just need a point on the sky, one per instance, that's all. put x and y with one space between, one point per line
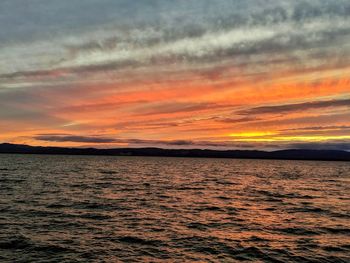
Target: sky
223 74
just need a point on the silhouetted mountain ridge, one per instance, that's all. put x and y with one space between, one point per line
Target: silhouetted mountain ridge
292 154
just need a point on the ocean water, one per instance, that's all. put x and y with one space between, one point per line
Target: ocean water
145 209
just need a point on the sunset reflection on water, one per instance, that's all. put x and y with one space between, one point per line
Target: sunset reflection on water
173 209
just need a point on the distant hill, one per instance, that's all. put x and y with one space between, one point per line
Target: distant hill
293 154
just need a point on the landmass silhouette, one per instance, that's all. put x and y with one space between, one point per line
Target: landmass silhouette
291 154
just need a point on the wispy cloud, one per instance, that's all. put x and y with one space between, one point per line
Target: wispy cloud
74 138
320 128
93 140
219 34
180 73
281 109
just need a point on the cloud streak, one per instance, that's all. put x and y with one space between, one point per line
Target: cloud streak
74 138
281 109
335 145
182 73
219 34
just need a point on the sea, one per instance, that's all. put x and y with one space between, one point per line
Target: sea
155 209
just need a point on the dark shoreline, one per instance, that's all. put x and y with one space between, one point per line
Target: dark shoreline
292 154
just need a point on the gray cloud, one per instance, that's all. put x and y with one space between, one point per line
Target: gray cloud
237 120
343 146
332 145
319 128
114 34
178 107
321 119
277 109
140 142
74 138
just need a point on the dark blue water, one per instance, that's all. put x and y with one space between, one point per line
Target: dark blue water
134 209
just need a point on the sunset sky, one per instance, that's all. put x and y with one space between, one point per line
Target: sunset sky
237 74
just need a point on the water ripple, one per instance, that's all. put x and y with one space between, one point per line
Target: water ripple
134 209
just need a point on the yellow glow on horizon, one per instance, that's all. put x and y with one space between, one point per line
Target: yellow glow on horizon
294 138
